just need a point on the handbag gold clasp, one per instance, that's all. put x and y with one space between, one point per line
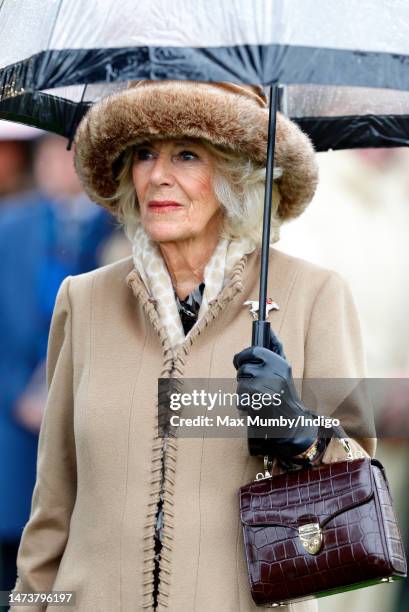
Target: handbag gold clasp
311 537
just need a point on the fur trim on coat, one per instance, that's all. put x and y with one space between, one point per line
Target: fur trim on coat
228 115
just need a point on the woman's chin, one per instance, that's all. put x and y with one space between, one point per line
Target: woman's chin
166 231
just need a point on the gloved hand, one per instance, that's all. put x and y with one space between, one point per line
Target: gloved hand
266 370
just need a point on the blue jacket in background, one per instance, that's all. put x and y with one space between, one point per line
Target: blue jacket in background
41 242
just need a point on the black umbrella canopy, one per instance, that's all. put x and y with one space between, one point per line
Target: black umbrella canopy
342 65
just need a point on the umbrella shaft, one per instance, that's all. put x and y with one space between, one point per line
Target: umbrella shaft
268 201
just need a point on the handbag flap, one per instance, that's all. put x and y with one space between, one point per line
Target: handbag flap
317 493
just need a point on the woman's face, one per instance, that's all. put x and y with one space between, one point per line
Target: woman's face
173 183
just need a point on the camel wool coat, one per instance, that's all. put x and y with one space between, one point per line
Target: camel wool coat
91 526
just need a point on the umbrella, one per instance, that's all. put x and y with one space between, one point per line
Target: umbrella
342 65
339 68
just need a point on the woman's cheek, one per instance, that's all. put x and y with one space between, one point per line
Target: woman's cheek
139 181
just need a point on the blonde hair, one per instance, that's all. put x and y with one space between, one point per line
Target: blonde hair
238 184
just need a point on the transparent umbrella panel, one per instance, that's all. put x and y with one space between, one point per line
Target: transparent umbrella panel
345 25
342 65
343 117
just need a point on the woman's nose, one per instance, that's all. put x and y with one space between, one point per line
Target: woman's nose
161 171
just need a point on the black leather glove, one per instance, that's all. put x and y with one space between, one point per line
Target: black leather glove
265 370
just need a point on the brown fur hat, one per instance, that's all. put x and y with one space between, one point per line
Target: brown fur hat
233 116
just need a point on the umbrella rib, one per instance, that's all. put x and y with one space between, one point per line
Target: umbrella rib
54 24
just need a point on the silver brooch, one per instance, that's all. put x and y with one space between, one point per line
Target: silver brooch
254 306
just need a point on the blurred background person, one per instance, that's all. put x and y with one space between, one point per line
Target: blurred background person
46 233
16 149
358 224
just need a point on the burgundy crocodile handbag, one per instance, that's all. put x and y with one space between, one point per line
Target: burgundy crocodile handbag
319 531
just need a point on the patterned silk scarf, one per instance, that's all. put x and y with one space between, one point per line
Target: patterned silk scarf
189 307
152 268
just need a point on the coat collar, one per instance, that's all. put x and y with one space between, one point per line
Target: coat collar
241 278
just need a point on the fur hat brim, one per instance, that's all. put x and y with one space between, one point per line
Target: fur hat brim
222 113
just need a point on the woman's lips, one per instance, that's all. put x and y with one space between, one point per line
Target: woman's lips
162 206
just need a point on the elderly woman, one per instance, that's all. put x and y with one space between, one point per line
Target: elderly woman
128 519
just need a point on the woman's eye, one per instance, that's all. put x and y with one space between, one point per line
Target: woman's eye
188 155
142 154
